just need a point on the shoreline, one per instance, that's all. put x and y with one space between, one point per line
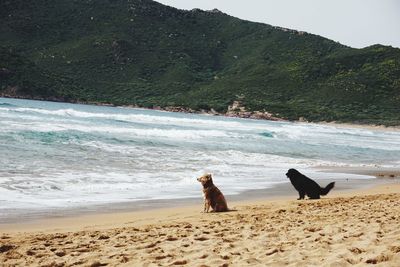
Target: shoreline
46 220
251 115
282 190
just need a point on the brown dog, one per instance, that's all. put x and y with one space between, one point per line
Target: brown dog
212 195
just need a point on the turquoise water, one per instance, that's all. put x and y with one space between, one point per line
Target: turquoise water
57 155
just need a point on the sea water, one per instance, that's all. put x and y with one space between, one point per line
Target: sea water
60 155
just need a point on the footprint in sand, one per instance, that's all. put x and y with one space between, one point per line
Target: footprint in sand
395 249
103 237
30 253
98 264
181 262
272 251
171 238
161 257
378 259
5 248
201 238
60 253
225 257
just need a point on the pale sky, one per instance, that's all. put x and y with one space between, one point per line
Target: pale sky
356 23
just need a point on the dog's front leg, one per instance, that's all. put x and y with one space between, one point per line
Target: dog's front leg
301 195
208 206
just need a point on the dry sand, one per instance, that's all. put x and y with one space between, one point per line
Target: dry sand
346 228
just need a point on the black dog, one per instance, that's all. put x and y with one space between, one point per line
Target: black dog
306 186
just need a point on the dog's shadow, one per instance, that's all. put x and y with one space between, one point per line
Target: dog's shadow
220 212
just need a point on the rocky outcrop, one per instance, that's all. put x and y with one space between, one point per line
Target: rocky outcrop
238 110
175 109
10 91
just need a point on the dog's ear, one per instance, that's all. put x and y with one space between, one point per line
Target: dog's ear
209 176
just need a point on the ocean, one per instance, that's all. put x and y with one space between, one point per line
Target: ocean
58 155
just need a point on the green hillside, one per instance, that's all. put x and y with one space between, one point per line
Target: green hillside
143 53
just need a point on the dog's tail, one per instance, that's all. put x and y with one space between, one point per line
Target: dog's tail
325 191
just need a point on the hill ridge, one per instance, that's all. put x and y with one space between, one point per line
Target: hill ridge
140 52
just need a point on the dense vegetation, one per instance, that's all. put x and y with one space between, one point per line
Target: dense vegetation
143 53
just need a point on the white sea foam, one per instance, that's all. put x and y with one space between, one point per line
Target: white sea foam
142 118
133 132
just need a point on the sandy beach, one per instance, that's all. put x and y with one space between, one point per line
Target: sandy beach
346 228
